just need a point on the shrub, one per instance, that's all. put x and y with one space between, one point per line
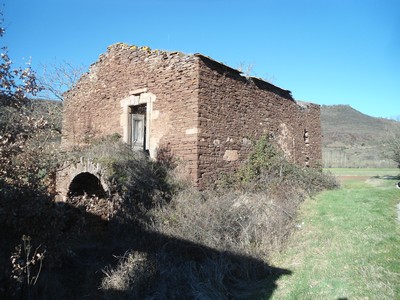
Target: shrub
133 275
138 182
267 168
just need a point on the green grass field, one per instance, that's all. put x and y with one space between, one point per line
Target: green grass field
347 245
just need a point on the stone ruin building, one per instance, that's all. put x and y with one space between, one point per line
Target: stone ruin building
203 112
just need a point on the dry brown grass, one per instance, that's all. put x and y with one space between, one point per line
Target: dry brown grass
241 222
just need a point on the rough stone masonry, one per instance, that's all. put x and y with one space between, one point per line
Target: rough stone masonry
199 110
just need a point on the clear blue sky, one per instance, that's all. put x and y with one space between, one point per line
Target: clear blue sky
325 51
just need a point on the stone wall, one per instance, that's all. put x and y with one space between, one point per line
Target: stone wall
235 111
201 111
94 107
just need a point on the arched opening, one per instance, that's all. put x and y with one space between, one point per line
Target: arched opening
86 183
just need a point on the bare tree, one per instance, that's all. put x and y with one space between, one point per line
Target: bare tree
392 146
24 132
27 162
57 78
245 69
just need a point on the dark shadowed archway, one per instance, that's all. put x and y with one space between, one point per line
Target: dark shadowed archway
86 183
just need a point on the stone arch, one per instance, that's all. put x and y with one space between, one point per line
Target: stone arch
82 177
86 184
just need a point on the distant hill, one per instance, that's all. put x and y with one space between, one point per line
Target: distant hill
353 139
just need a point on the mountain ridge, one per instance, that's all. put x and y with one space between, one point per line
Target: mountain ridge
353 139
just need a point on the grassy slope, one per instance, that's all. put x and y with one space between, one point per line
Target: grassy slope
348 246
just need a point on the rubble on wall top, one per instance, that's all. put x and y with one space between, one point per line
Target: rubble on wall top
124 46
118 46
305 105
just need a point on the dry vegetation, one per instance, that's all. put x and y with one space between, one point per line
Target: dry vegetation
209 244
162 239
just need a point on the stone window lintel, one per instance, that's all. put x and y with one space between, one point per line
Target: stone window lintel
138 91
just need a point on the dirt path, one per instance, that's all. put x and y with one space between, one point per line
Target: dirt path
343 178
352 177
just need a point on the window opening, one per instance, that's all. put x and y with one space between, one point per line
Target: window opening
307 143
305 136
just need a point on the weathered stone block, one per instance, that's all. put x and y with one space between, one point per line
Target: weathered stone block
231 155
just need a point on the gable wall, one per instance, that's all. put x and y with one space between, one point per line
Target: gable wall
93 108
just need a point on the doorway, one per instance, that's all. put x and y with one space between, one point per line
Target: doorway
137 127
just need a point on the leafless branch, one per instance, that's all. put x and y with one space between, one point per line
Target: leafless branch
56 78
